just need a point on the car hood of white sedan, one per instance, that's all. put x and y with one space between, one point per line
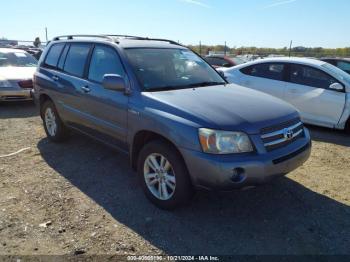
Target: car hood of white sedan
16 73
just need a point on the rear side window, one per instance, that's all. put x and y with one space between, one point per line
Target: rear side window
344 66
63 57
53 55
104 60
76 59
308 76
273 71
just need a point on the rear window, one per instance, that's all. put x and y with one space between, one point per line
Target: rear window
53 55
216 61
76 59
17 58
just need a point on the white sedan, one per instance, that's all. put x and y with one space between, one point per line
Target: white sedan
17 68
320 91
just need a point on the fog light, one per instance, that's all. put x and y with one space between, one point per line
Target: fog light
237 175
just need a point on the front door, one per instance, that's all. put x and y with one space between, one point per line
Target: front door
308 90
107 109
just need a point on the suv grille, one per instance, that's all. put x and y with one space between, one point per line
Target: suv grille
283 134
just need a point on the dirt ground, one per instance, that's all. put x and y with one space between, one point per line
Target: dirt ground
82 197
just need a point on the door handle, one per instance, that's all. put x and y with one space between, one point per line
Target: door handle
86 89
293 91
55 78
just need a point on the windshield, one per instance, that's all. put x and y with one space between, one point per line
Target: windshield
338 73
20 59
160 69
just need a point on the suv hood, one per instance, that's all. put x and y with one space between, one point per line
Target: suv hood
231 107
16 73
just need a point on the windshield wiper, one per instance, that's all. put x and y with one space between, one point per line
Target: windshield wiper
165 88
202 84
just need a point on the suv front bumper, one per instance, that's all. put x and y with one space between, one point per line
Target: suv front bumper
227 172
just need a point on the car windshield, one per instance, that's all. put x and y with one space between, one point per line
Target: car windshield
20 59
338 73
160 69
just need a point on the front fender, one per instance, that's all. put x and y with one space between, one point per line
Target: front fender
346 113
181 132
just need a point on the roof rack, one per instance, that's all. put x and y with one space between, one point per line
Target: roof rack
114 38
70 37
146 38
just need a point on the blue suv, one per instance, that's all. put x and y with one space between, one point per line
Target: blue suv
181 124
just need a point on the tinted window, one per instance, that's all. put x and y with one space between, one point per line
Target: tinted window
53 55
333 62
344 66
76 59
63 57
268 70
216 61
104 60
305 75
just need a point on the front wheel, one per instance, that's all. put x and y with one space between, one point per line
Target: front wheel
164 176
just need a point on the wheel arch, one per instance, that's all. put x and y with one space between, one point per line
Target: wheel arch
347 125
143 137
42 99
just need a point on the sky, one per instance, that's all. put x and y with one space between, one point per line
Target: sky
261 23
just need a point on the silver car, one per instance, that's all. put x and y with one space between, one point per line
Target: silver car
17 68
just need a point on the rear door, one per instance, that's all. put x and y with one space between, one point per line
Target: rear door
308 90
73 66
47 74
266 77
106 108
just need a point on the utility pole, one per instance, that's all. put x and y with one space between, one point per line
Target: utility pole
46 35
200 47
290 47
225 49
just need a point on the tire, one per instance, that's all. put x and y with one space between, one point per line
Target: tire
347 126
55 130
174 178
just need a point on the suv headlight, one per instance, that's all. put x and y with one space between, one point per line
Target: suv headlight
5 83
224 142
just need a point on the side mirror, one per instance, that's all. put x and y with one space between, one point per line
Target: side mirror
221 73
336 87
113 82
226 65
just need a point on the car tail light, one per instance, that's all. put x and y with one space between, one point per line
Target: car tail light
26 83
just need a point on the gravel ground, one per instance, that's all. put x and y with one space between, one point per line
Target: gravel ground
82 197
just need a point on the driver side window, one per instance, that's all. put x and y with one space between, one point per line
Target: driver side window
104 60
